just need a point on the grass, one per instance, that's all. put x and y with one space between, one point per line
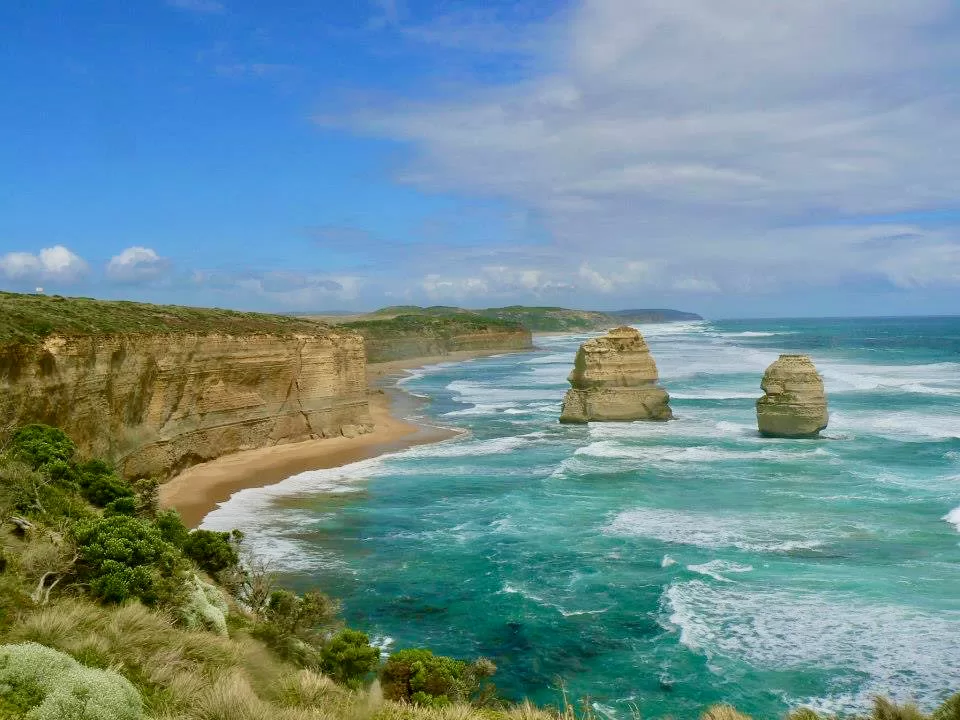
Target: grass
29 318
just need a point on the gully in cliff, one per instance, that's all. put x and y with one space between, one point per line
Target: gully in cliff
795 405
614 379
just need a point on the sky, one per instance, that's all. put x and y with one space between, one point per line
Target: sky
736 158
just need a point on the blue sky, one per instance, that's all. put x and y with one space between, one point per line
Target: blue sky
744 158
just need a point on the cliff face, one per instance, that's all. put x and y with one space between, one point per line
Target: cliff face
794 404
614 379
158 403
429 342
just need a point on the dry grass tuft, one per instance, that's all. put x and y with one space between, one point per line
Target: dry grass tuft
724 712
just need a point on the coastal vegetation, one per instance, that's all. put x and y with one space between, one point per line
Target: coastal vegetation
110 609
28 318
533 318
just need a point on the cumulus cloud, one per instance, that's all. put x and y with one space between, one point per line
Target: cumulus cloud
737 146
135 265
56 263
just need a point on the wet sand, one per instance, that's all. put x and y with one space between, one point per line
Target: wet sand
199 489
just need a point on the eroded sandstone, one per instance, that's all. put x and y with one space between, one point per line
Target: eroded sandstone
614 379
155 404
794 404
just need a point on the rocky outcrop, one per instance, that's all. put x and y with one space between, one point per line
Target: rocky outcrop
157 403
795 404
614 379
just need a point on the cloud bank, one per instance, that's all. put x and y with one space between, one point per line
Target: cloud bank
699 147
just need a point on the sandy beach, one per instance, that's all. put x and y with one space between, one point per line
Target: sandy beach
199 489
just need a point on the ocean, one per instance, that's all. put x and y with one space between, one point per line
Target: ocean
660 567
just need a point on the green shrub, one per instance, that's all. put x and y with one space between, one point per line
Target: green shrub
121 506
211 551
950 710
25 491
49 685
123 557
205 608
171 528
348 657
38 445
101 486
420 677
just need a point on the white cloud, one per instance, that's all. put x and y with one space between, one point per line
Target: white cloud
136 264
56 263
738 146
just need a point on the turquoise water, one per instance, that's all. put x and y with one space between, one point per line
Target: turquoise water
663 566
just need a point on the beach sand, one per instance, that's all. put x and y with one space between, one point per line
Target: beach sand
199 489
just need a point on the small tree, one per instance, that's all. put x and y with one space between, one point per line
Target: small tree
420 677
348 657
211 551
38 445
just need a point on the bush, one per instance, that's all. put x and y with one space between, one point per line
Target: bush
205 608
121 506
420 677
38 445
950 710
348 657
101 486
171 528
50 685
211 551
123 557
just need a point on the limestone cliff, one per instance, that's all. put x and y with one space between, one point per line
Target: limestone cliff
615 378
155 403
412 336
795 404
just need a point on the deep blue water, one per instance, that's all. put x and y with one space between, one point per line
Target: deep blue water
662 566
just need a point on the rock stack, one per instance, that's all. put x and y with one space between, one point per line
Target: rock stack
614 379
795 404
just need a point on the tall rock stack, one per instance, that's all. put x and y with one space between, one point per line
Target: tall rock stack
614 379
795 405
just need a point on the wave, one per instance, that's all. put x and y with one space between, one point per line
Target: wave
941 379
765 534
904 651
613 450
511 589
714 568
953 517
907 426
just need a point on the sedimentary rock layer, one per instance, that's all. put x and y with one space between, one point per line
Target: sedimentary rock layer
614 379
417 344
157 403
795 404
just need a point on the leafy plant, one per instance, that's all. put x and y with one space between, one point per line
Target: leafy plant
50 685
348 657
123 557
211 551
420 677
38 445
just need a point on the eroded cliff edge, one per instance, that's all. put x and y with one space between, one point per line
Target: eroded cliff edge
157 402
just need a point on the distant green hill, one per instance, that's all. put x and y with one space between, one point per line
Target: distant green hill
535 319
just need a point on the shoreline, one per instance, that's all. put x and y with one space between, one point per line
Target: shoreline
198 490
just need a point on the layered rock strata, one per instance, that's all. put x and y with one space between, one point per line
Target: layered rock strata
158 403
795 404
614 379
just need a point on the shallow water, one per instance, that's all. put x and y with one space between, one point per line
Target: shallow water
664 566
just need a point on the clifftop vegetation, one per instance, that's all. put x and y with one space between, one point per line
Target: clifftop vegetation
28 318
110 609
535 319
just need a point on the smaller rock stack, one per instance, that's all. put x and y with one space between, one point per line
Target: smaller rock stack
795 405
614 379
